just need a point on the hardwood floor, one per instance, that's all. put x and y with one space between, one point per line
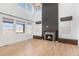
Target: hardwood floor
37 47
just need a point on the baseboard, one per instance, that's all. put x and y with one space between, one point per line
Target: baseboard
37 37
68 41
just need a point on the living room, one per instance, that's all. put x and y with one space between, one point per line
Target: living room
26 29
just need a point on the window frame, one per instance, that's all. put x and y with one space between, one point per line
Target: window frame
7 21
23 24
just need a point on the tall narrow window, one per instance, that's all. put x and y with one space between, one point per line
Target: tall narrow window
7 25
20 27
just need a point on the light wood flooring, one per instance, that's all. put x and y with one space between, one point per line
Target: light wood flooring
36 47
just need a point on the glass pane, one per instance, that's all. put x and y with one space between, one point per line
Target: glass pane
21 5
19 28
29 6
7 27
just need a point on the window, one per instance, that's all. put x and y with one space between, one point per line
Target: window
29 28
20 28
27 6
22 5
7 25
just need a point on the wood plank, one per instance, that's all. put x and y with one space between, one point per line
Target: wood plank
37 47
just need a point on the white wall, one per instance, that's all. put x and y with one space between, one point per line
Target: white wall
65 9
69 9
38 15
76 18
13 9
38 27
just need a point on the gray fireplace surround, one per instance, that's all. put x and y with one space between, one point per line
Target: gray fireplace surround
50 33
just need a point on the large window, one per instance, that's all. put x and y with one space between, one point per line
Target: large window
20 27
7 25
27 6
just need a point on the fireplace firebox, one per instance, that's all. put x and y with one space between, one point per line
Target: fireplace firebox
51 36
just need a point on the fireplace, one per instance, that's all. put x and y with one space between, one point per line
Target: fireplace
51 36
